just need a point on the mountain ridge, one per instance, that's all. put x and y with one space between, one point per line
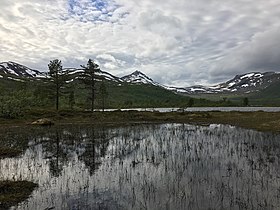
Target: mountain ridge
11 68
243 83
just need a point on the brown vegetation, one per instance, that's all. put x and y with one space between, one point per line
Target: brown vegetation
6 152
14 192
262 121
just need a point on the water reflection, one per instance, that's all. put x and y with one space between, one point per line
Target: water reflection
169 166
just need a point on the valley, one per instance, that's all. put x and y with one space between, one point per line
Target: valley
138 90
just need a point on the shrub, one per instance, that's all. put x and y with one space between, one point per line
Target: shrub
15 104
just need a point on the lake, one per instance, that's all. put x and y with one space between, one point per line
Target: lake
148 166
204 109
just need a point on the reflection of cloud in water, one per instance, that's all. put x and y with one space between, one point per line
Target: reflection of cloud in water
173 166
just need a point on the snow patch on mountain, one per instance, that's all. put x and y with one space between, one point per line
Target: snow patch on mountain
17 70
248 75
246 83
99 74
137 77
109 76
15 79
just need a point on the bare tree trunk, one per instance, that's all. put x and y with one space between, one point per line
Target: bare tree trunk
57 92
92 94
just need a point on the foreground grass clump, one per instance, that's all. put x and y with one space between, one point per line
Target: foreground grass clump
6 152
14 192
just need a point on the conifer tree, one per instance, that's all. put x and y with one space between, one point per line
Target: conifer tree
245 101
89 78
56 77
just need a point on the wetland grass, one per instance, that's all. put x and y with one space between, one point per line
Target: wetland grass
14 192
8 152
261 121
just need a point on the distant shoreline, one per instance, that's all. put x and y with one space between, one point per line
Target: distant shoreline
202 109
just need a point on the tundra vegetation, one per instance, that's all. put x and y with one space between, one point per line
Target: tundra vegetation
14 192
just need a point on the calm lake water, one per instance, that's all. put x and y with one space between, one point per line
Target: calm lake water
166 166
204 109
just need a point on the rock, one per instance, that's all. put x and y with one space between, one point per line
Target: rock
43 121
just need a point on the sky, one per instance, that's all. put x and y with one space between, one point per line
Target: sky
175 42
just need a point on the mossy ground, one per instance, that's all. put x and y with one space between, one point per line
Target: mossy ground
14 192
262 121
6 152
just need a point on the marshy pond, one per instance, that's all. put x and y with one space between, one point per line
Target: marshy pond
147 166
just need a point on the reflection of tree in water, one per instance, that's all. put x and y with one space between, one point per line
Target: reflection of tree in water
58 157
88 143
170 166
97 142
53 144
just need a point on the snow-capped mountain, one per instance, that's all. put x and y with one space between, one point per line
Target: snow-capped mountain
245 83
250 82
14 70
76 73
138 77
17 72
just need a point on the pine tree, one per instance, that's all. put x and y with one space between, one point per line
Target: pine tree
246 101
56 77
89 78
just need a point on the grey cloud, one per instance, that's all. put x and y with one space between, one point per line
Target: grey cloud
262 53
157 22
176 42
3 28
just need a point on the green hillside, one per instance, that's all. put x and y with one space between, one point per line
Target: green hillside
17 96
136 95
125 95
269 96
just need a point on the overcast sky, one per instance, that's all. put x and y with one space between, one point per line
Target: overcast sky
175 42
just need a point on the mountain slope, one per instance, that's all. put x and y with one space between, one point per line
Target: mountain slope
14 70
138 77
268 96
17 72
77 73
138 95
251 82
121 94
245 83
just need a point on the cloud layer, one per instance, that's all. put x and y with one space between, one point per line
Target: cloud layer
176 42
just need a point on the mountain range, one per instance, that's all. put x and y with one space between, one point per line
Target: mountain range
242 84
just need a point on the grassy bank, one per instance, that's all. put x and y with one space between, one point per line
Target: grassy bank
7 152
14 192
262 121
